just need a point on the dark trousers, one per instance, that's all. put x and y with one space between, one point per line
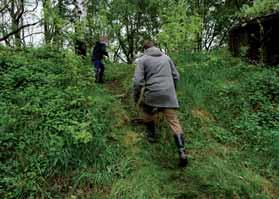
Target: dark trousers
99 71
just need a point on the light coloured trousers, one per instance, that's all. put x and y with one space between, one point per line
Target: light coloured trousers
150 114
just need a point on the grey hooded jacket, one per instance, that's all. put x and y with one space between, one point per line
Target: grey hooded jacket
156 72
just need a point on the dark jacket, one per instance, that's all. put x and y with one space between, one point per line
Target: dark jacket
156 72
99 51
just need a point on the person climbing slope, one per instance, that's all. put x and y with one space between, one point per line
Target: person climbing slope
98 54
156 76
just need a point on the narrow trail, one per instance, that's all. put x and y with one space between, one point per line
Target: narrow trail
155 170
150 171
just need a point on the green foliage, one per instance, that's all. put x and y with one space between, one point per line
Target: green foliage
130 23
251 98
260 7
232 142
180 28
55 125
65 137
235 105
141 185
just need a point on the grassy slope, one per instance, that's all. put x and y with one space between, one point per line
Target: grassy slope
66 137
215 93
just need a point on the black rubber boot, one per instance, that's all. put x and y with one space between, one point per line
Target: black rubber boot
101 78
97 77
179 141
150 130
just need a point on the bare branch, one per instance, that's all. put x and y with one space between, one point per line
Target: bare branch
35 8
4 8
121 58
31 34
17 30
20 10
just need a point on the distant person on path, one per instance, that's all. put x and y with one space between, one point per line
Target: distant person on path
98 54
156 76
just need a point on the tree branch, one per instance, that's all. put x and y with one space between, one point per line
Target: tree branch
20 10
4 8
17 30
121 58
31 34
35 8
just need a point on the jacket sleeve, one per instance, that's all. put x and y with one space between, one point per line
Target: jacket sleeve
104 52
175 74
92 55
139 80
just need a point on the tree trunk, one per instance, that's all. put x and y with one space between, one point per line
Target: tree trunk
47 31
15 23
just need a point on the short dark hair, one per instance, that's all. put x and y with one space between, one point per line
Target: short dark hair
148 44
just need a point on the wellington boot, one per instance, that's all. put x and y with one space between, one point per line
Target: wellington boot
179 141
150 132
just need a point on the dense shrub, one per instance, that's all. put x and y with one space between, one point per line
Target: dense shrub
54 124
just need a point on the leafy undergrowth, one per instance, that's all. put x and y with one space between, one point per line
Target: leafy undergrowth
62 136
56 127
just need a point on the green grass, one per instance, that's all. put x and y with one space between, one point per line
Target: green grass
233 148
56 127
65 137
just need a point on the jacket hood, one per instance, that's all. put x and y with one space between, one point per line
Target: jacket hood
153 51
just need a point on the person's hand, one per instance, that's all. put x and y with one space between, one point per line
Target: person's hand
175 83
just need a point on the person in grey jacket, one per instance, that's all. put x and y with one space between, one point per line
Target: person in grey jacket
156 76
